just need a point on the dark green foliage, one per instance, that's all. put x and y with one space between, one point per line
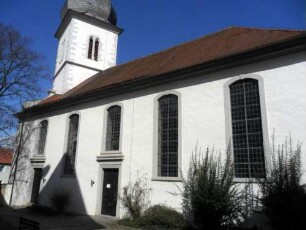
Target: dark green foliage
210 199
284 199
162 217
157 217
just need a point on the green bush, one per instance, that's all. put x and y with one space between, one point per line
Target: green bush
135 197
210 199
283 197
157 217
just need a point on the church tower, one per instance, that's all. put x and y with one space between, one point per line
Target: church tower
87 42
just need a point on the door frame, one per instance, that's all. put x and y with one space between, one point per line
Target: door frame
106 165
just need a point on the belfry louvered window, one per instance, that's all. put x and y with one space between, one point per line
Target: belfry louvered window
113 128
167 165
96 53
247 132
90 47
42 136
72 144
93 48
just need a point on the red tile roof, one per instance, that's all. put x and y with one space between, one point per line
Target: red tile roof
222 44
53 98
6 155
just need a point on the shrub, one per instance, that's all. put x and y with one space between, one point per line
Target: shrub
60 200
159 216
135 197
210 199
283 198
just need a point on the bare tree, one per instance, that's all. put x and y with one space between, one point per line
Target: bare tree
21 70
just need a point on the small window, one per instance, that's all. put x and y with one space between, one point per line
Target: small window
42 137
168 136
247 131
90 47
72 144
113 128
96 55
2 167
93 48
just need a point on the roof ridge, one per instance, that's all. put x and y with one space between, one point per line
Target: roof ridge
199 38
267 28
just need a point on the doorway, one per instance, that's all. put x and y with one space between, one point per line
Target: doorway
36 185
110 192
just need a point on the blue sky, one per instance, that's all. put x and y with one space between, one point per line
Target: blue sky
153 25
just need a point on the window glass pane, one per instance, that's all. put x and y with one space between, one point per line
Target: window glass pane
113 128
42 137
72 144
168 136
247 129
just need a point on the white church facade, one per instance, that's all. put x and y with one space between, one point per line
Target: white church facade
103 125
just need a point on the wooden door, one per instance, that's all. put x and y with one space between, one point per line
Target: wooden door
110 192
36 185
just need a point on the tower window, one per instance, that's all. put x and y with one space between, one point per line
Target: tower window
93 48
247 129
96 55
90 46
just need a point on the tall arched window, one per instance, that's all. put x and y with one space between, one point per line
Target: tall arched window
113 128
90 47
96 54
167 136
72 144
247 131
42 136
93 48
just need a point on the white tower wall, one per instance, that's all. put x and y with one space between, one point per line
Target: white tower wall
72 63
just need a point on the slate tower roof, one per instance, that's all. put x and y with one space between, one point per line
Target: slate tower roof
99 9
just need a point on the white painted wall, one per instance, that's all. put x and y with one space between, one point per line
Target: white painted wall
73 47
203 123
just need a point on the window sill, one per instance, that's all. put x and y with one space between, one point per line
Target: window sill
38 161
110 156
246 180
111 152
68 176
167 179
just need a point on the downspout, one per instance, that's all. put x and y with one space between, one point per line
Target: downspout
16 160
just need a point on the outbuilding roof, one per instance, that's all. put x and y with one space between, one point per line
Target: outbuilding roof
211 48
6 155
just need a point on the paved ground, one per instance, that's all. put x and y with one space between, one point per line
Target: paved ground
9 220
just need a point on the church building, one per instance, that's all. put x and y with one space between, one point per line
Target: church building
104 125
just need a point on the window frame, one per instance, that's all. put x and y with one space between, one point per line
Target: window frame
264 121
155 176
105 123
63 174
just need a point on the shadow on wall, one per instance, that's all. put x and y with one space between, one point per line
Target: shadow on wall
29 185
59 191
